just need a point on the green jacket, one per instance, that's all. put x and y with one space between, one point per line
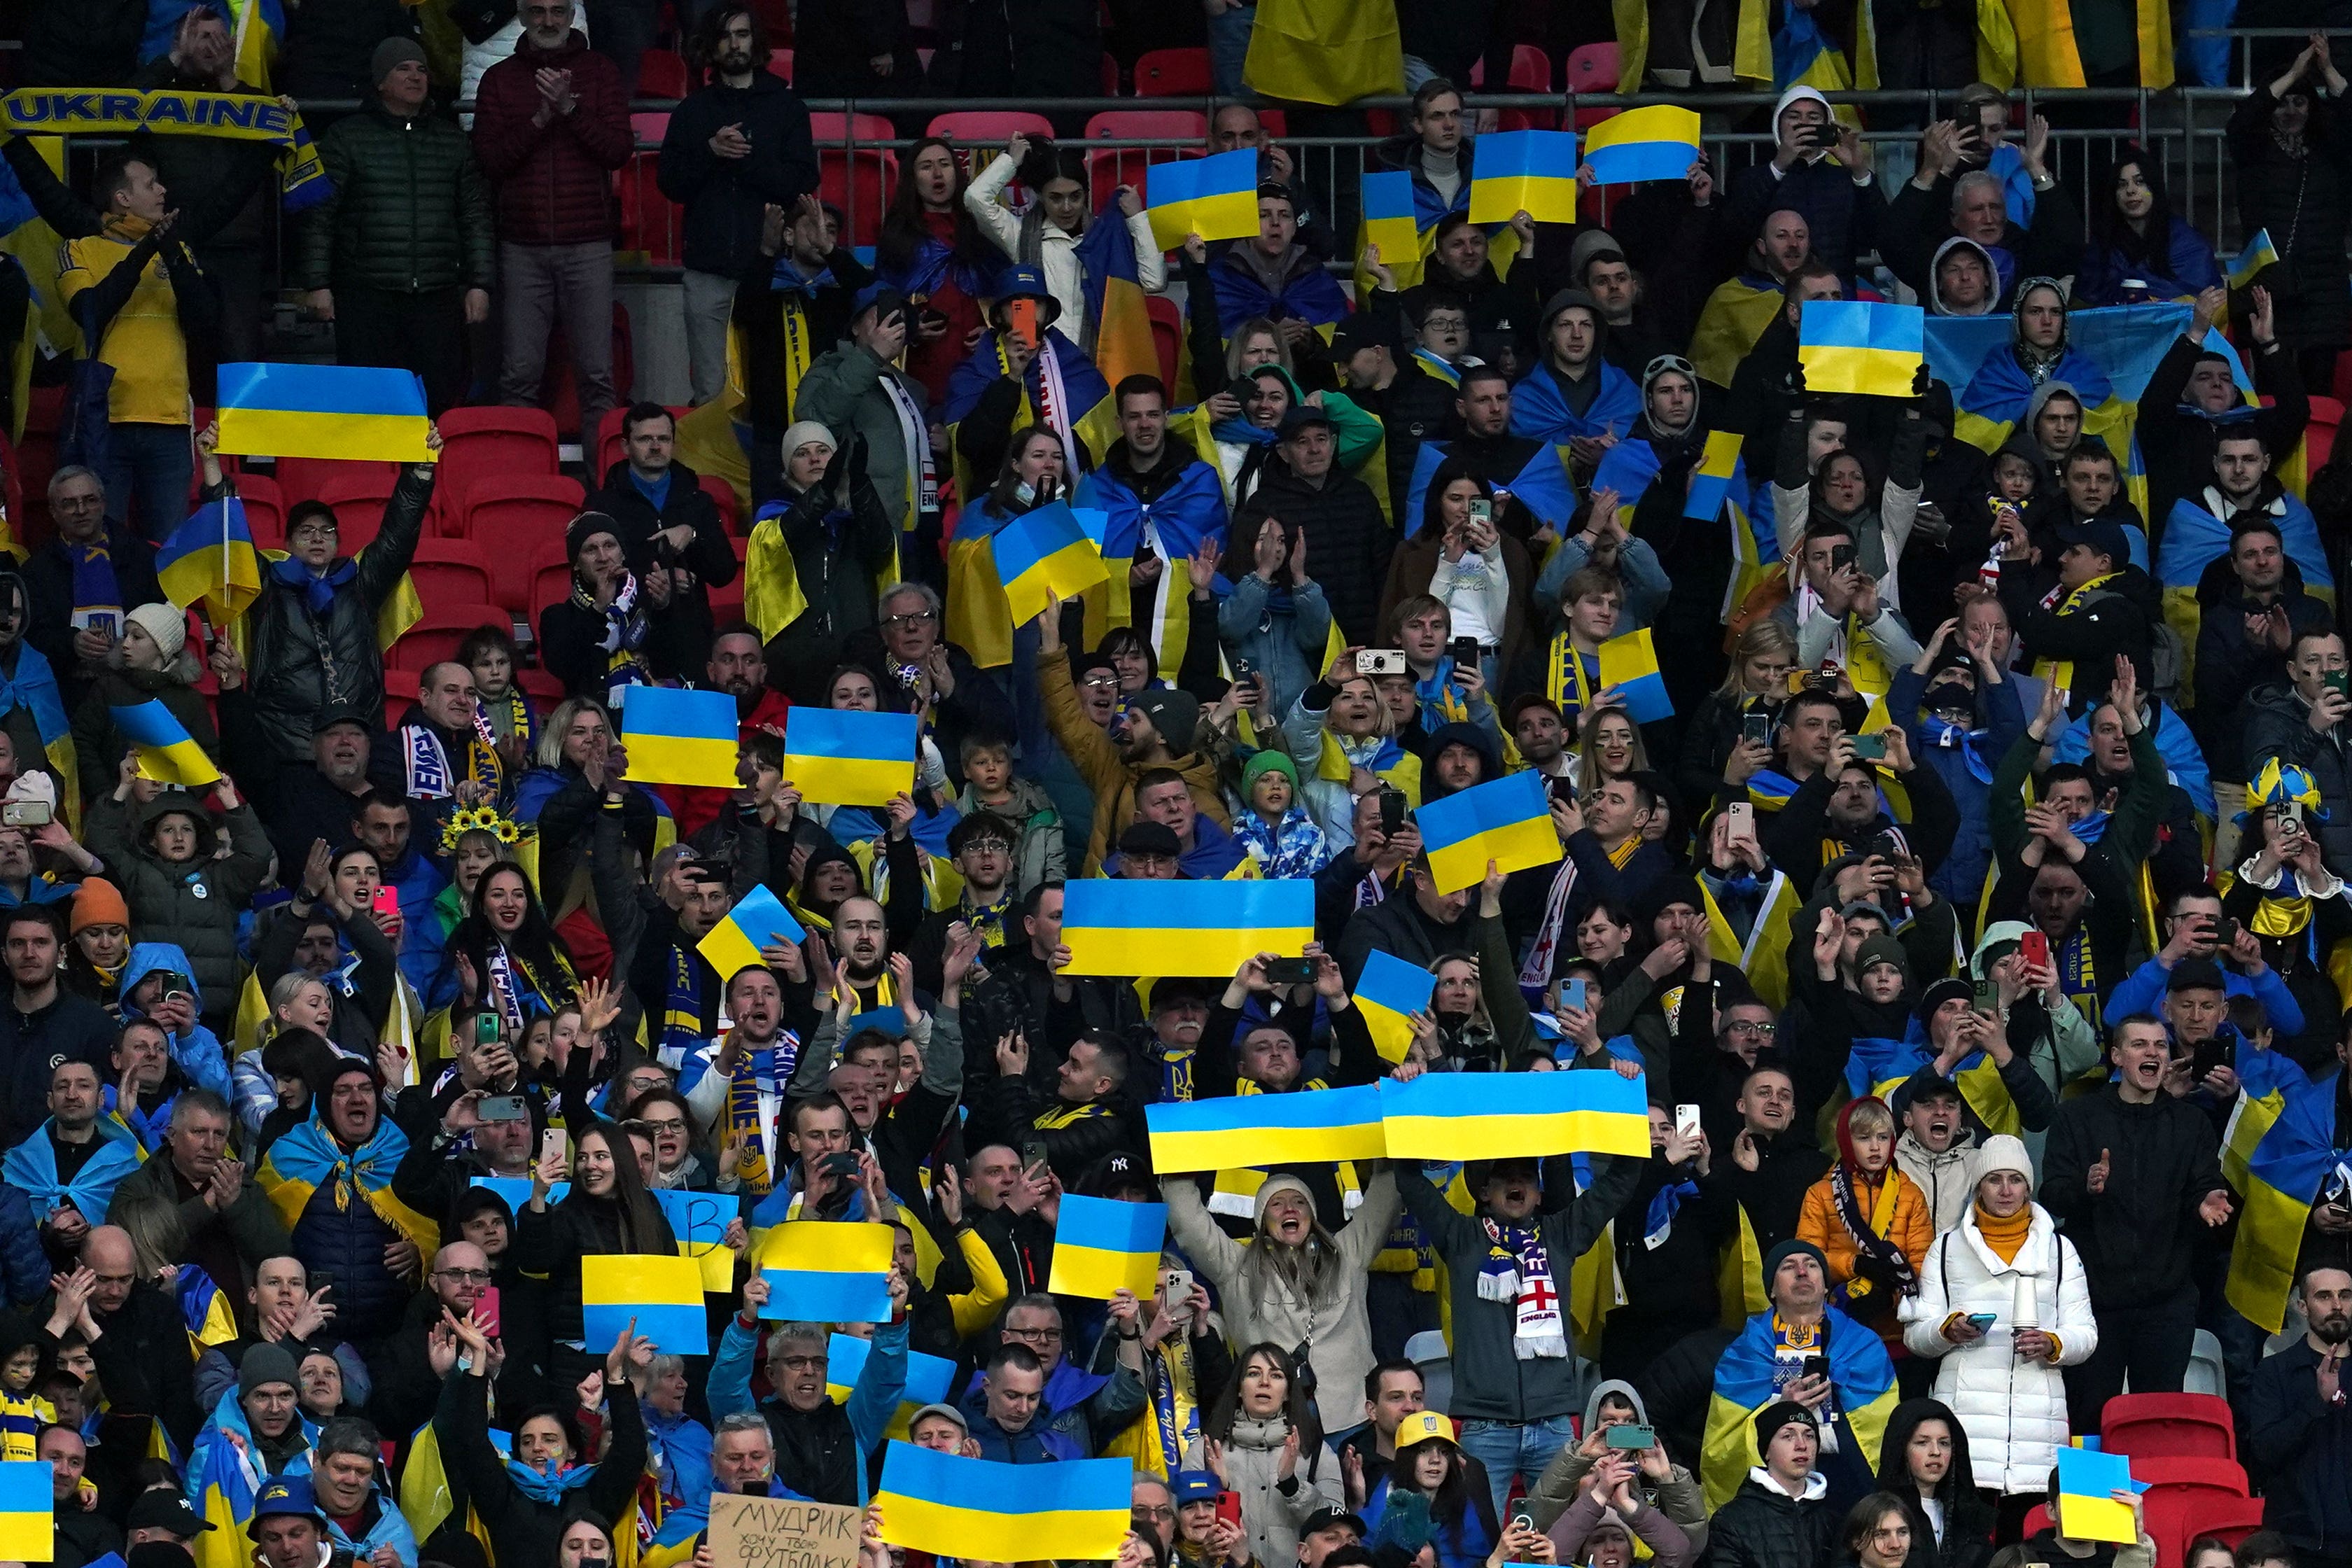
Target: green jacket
843 391
410 213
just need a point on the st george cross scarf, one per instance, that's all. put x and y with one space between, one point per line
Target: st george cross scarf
1518 1270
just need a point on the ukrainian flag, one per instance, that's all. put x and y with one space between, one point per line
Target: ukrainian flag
2282 1180
1855 346
2086 1508
1386 993
1310 1125
356 412
758 919
662 1295
27 1523
1751 1374
1118 324
260 24
1531 172
1631 663
210 1317
1216 198
1506 820
1324 51
1389 222
1717 477
1102 1245
1660 143
305 1158
826 1270
2258 253
698 1221
1161 929
1491 1116
977 1509
166 753
848 758
1043 556
1880 1067
931 1380
679 737
210 561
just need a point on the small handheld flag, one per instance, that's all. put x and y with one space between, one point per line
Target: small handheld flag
2258 253
323 411
1231 1130
1102 1245
1387 992
846 758
678 737
1629 663
1660 143
1388 223
1531 172
1855 346
28 1512
166 753
978 1509
1498 1115
930 1379
1043 556
1712 480
210 560
2088 1511
1115 927
1506 820
758 919
1216 198
826 1270
663 1294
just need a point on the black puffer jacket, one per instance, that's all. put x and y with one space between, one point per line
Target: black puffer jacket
1347 539
1764 1527
681 636
521 1529
552 1241
300 661
2305 202
410 213
348 1241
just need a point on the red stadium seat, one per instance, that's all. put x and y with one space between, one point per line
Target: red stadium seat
2232 1519
2185 1473
540 687
509 515
1167 337
1274 123
479 442
1110 75
727 602
2181 1489
551 578
1157 124
2037 1520
722 496
650 222
265 510
1172 73
858 182
435 637
358 502
1592 67
1186 129
2319 436
1116 166
661 73
986 127
304 478
779 65
1531 72
452 572
2166 1426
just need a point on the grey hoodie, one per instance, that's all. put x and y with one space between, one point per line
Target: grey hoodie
1679 1496
1935 306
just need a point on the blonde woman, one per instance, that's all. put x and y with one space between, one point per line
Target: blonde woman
1715 749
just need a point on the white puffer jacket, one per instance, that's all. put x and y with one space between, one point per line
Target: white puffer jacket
2015 1411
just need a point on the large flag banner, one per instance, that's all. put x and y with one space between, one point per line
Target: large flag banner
758 919
1102 1245
1234 1130
323 411
977 1509
1660 143
1510 1115
664 1295
1857 347
1505 820
1531 172
166 752
679 737
1216 198
826 1270
1160 929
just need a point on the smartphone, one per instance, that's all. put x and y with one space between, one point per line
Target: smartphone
317 1280
2221 1051
1393 807
1482 510
2287 815
486 1029
1021 320
486 1310
1842 556
2225 932
2034 948
1291 971
501 1108
1756 727
1985 995
1379 661
843 1163
2339 682
1571 995
1465 651
26 813
1523 1520
1229 1507
1245 669
1869 748
1176 1289
1032 1154
555 1141
1687 1121
1742 818
1984 1321
386 902
1816 1366
1625 1435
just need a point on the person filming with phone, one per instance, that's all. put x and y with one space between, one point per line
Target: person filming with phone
2302 722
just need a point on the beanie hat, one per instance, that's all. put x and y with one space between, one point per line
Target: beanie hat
1269 761
166 624
1780 1413
98 902
585 527
1881 948
1175 714
266 1363
801 432
1281 1182
1932 999
390 53
1788 1249
2001 1152
1662 893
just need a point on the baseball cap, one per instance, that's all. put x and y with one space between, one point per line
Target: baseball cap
1195 1486
281 1496
2102 534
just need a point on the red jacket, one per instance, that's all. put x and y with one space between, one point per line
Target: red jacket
553 182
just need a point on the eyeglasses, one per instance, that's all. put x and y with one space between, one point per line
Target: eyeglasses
1160 1514
1750 1027
666 1124
467 1275
1033 1336
915 618
800 1363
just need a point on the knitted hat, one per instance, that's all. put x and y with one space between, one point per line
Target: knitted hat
2001 1152
1785 1251
1881 948
1269 761
585 527
167 624
390 53
1932 999
1175 714
801 432
1280 1181
1780 1413
263 1365
98 902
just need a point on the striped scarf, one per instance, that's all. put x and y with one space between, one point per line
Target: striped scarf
774 1066
682 1005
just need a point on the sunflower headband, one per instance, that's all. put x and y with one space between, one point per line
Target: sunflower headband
477 820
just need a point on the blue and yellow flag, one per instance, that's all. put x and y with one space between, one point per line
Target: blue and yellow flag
1717 477
1102 1245
975 1509
1390 223
847 758
210 561
1118 323
2088 1511
698 1221
1510 1115
1751 1375
2258 253
2283 1180
1860 347
1660 143
826 1270
307 1159
1324 51
1216 198
1209 929
1880 1066
210 1316
1531 172
758 919
1043 556
931 1380
356 412
28 1520
662 1295
166 752
1505 820
1388 993
678 737
1235 1131
302 179
258 29
1629 663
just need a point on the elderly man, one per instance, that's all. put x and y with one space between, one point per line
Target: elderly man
138 1342
282 1311
821 1449
1935 206
362 1518
83 580
226 1223
351 1226
305 802
922 672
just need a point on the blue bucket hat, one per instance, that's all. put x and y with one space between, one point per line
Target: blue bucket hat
1028 283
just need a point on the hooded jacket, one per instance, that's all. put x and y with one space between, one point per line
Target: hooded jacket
192 905
196 1052
1936 305
1764 1527
1108 773
1679 1496
1844 218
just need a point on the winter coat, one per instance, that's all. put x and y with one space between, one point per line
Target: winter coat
1942 1179
1253 1452
69 43
2014 1410
194 905
724 197
2278 724
2139 1235
2230 666
71 1029
834 557
1287 642
1764 1527
1337 1334
227 1244
552 1241
329 49
99 743
2300 1451
348 1240
1110 775
1348 539
843 391
48 582
1819 1223
1058 257
302 662
552 182
1845 219
523 1530
680 639
409 213
1040 857
2304 203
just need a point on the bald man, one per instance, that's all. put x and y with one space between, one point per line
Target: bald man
281 1309
435 752
458 1275
135 1334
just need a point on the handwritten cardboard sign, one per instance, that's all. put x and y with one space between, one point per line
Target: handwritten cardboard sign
782 1533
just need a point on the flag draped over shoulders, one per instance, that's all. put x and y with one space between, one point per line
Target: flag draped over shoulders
1752 1374
307 1158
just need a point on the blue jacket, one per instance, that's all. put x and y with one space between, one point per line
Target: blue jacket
2144 993
1287 642
424 958
391 1529
197 1053
2186 267
873 1402
1961 877
22 1263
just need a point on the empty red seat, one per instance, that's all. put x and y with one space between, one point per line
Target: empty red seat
1167 337
650 222
722 496
302 478
2165 1425
1181 131
990 127
510 516
265 510
452 572
727 602
858 182
541 688
1172 73
358 501
2231 1519
2319 436
476 443
551 578
1116 166
1592 67
779 65
435 637
661 73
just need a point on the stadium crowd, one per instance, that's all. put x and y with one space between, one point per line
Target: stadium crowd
1946 815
